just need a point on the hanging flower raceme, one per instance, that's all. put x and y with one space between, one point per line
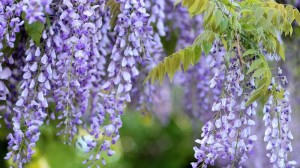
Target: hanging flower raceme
35 10
145 94
277 115
30 111
100 45
157 15
228 136
10 22
133 33
14 63
203 84
74 47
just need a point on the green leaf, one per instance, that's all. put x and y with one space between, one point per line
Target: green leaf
259 13
35 31
205 40
172 63
258 73
187 2
270 16
198 54
256 94
223 25
290 13
297 16
206 47
280 51
219 17
161 73
249 52
187 58
256 64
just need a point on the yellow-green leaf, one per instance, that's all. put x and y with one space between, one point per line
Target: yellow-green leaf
249 52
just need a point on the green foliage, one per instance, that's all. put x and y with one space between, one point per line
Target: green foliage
251 26
34 30
261 71
194 7
186 57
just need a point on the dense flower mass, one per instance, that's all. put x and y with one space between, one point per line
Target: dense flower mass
77 64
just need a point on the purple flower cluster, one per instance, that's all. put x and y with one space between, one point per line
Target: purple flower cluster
157 16
145 94
75 46
200 91
133 34
69 69
30 110
35 10
10 23
228 135
187 27
277 115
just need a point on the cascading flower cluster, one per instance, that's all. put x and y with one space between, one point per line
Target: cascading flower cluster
228 135
67 68
73 43
200 91
10 24
30 107
145 94
133 34
35 10
277 115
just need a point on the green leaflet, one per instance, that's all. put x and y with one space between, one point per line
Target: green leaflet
259 13
205 40
195 7
256 94
255 65
297 16
262 73
171 64
280 51
249 52
219 17
34 30
188 56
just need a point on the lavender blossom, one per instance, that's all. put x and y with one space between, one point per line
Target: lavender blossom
228 136
35 10
277 115
10 22
30 111
133 33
